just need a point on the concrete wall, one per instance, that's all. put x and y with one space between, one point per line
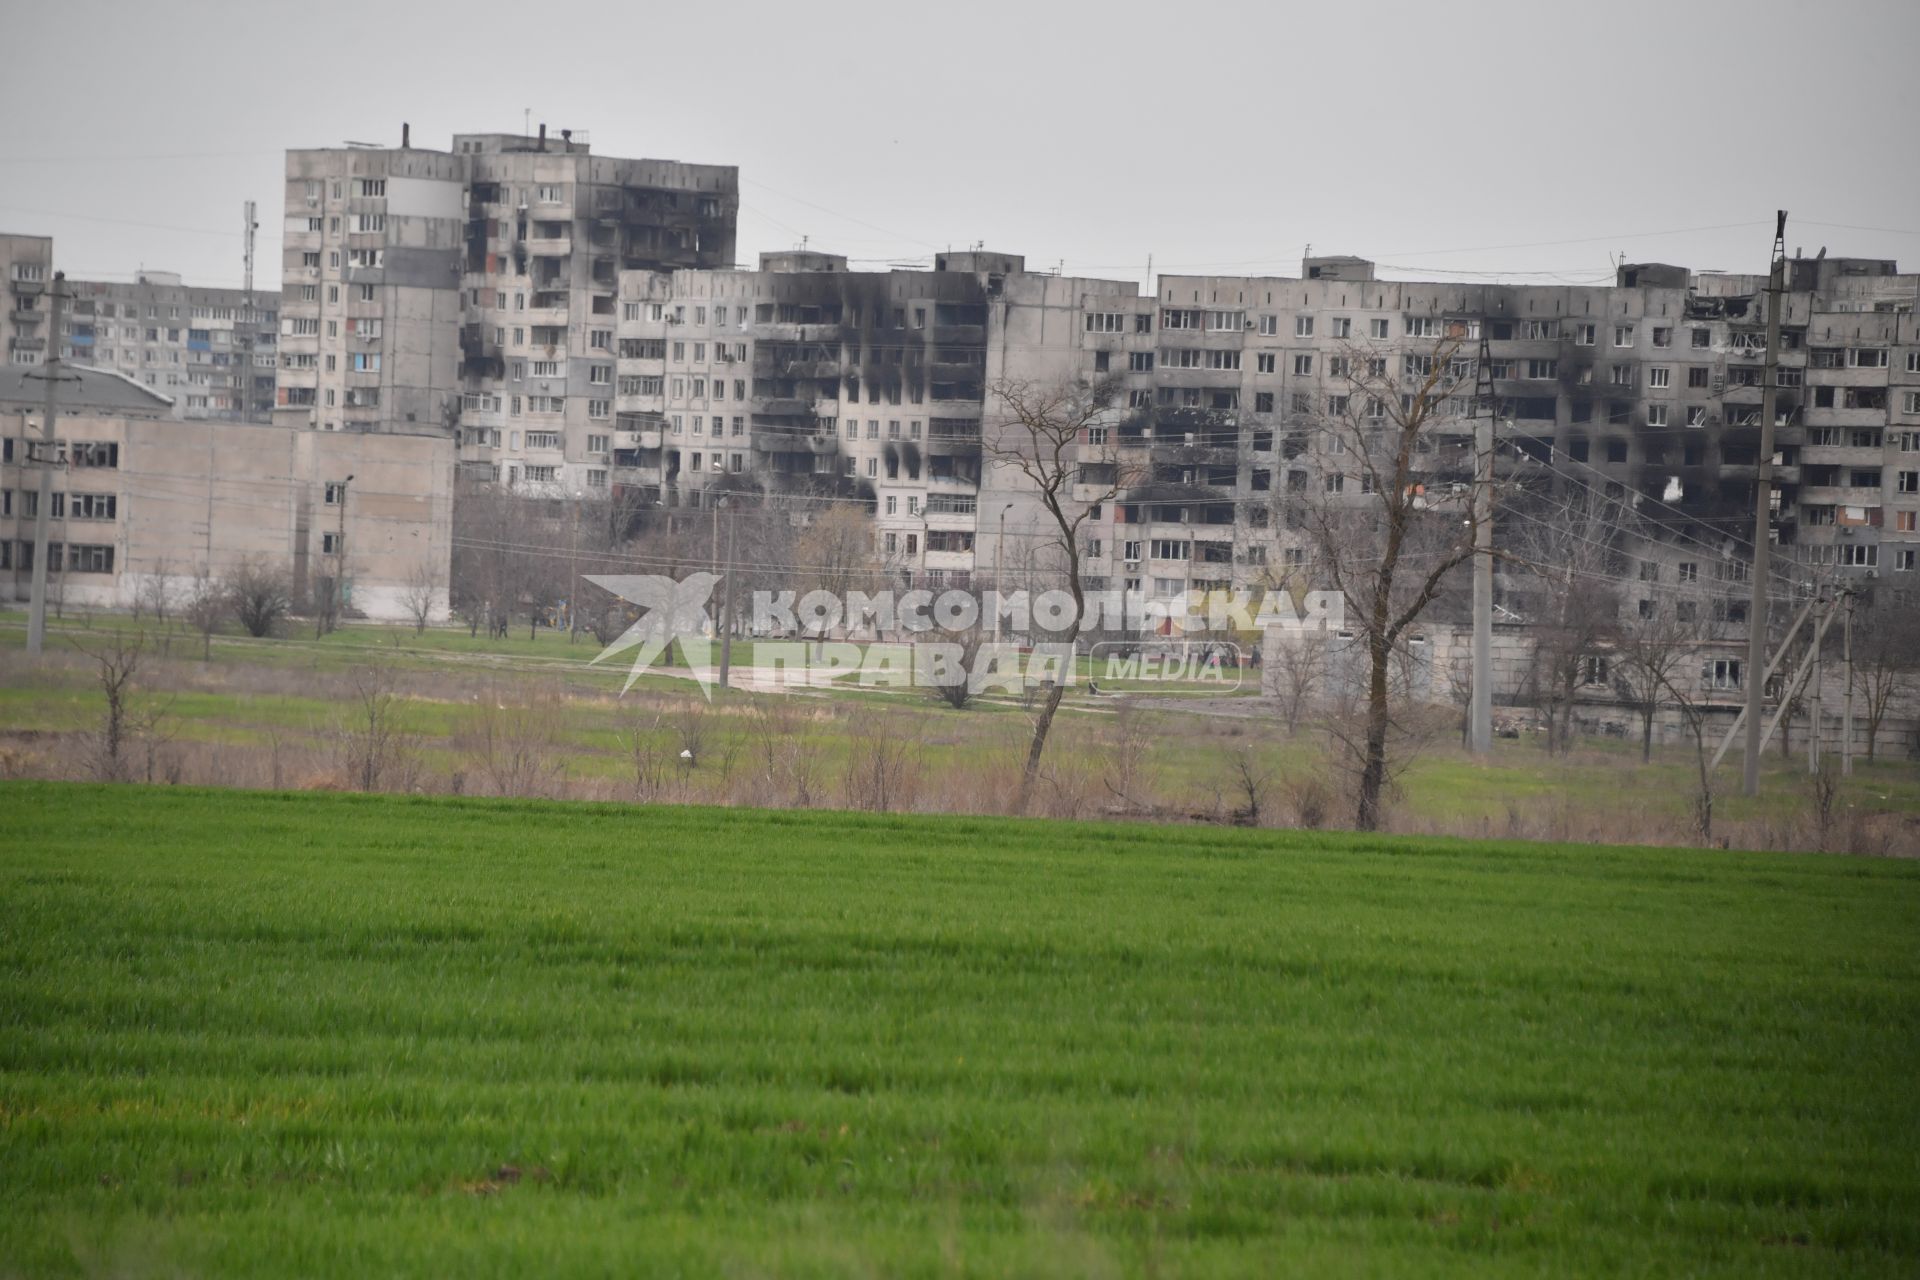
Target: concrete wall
207 496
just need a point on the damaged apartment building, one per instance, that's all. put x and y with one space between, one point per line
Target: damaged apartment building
804 378
576 324
471 292
1646 392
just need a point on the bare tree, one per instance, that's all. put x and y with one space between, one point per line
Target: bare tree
789 765
154 594
1690 701
208 603
1657 662
1254 778
834 553
260 596
117 658
373 748
883 762
1886 659
1389 519
957 687
647 748
520 744
1299 663
510 555
1650 653
1042 436
419 596
1569 547
1130 768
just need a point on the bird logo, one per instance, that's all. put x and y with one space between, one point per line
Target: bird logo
670 611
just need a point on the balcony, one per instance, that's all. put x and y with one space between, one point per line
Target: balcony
638 430
1194 455
1823 495
958 520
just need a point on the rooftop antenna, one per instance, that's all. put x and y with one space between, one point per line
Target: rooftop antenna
244 332
247 259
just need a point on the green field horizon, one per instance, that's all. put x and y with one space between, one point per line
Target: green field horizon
260 1033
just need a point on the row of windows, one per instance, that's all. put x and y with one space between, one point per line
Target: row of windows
1582 334
61 505
355 258
71 557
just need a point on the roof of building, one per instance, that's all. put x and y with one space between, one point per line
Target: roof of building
81 387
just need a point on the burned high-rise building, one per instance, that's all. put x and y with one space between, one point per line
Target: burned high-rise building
1647 391
472 291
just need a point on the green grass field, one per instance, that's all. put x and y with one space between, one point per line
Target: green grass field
263 1034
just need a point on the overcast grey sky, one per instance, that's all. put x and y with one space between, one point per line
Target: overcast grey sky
1455 137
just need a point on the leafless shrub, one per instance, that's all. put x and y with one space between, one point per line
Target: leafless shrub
689 726
419 595
519 743
1310 798
1299 663
125 721
156 594
1130 769
787 768
259 595
883 763
371 747
647 749
958 688
276 754
206 606
1064 786
1823 796
1253 779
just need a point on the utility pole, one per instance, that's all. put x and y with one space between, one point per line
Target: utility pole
1813 701
1846 701
999 549
244 332
340 556
1763 514
1480 713
726 605
37 605
573 570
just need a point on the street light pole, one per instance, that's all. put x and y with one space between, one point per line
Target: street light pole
336 592
1763 516
726 602
573 567
999 550
37 599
